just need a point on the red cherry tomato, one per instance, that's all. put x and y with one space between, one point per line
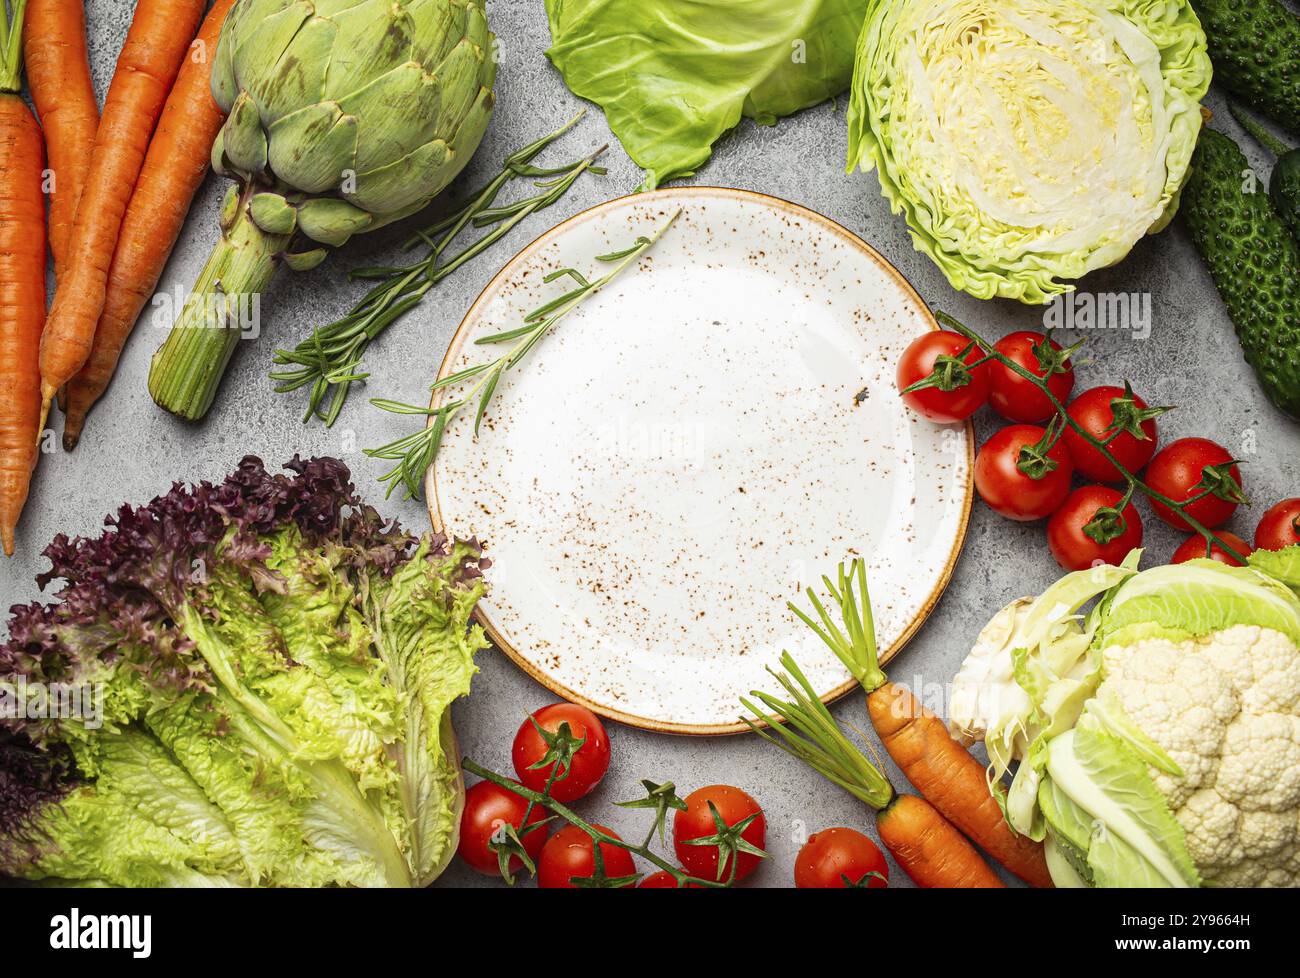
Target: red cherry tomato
1092 411
1011 492
1177 471
1280 526
569 854
1076 550
664 880
1016 398
833 856
1194 547
487 808
918 362
697 823
589 764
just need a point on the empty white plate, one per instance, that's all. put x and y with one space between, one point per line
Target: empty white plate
693 446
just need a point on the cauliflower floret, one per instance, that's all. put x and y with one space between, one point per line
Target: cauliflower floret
1262 664
1225 708
1267 837
1242 874
1211 826
1260 770
1181 701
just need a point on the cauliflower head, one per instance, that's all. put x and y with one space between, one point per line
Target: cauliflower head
1169 753
1225 708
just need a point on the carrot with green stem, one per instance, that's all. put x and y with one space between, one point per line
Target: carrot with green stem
921 840
939 767
22 277
156 44
58 77
173 169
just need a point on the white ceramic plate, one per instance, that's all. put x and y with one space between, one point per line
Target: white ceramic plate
684 454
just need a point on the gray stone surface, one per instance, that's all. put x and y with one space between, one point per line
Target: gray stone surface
132 450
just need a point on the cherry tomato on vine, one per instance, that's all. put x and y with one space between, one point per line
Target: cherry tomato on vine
589 763
1183 469
1280 526
487 808
836 859
969 387
1194 547
1012 492
569 853
1075 549
664 880
1094 411
697 822
1018 399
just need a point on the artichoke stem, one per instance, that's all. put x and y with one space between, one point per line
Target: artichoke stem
224 307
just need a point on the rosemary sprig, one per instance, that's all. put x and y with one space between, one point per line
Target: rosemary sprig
329 361
415 452
1109 522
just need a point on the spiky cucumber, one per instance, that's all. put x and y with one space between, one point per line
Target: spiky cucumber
1253 259
1255 50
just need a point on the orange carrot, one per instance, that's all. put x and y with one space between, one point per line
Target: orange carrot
159 37
22 284
937 765
58 76
923 842
943 771
929 849
173 169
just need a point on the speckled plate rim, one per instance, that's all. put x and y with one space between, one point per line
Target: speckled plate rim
683 196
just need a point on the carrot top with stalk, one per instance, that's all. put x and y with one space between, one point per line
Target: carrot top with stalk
922 841
940 768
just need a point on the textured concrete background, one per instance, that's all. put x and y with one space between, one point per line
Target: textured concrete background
132 450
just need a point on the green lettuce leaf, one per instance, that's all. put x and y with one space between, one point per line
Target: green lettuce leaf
674 75
427 652
144 823
277 666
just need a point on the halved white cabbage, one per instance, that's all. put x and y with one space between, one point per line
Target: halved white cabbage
1028 141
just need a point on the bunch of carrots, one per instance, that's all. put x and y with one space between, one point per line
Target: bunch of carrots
930 836
120 185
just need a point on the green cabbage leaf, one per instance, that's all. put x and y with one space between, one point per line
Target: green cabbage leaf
1196 598
1281 565
1106 815
1028 142
674 75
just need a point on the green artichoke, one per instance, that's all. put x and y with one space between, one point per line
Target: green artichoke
343 116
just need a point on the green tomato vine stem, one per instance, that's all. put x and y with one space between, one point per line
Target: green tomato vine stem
1132 481
598 838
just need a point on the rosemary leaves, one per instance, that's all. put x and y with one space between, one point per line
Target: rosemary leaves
415 452
329 361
